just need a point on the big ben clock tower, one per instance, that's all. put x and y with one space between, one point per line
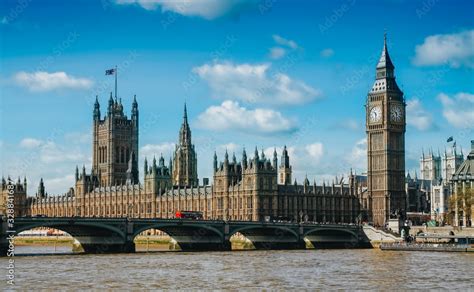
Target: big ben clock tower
385 127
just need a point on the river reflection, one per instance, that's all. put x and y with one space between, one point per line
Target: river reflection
299 269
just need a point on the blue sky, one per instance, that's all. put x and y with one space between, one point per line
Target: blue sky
253 73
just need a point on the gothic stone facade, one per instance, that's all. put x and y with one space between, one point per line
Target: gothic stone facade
385 126
115 144
252 189
240 192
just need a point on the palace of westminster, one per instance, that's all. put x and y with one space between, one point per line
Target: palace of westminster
254 188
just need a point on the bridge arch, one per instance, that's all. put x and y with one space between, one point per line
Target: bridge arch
269 236
331 237
64 226
189 235
93 237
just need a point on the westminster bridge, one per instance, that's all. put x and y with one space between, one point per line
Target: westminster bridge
113 235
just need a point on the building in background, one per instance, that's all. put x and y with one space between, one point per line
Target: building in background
436 174
418 194
13 197
462 186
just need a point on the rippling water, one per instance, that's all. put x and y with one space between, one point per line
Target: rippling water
299 269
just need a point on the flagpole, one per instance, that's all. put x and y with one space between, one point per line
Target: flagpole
116 73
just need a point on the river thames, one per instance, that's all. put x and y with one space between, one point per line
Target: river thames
298 269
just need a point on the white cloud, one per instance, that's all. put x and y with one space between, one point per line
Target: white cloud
50 152
230 115
284 45
62 184
44 81
78 138
417 116
358 156
230 147
53 153
309 160
254 84
30 143
326 53
459 109
55 161
277 53
454 49
315 151
207 9
150 150
285 42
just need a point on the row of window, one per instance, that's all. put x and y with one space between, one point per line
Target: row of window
122 154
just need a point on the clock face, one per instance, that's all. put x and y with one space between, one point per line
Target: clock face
375 114
396 114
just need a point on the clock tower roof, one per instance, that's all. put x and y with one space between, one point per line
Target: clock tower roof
385 62
385 76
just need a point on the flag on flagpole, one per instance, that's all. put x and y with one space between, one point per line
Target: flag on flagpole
110 72
114 72
450 139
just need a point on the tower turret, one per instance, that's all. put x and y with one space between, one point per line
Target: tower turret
285 168
135 109
275 159
226 158
185 158
215 161
244 159
161 161
96 109
41 191
110 108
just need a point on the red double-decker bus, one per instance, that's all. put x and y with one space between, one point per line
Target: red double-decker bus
195 215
